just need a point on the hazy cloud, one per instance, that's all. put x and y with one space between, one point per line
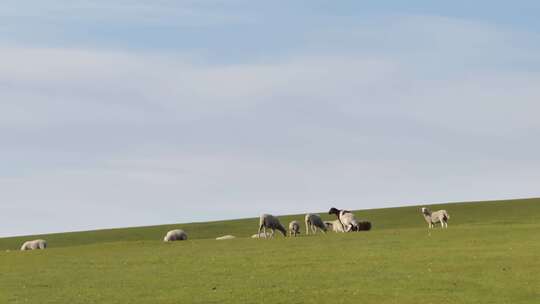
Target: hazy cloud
418 109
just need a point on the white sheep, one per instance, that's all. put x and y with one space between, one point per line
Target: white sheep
33 245
225 237
175 235
314 222
294 228
432 218
334 226
260 235
346 218
271 222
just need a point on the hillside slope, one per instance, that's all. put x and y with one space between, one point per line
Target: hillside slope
469 213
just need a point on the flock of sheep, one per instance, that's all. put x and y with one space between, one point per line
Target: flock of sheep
345 222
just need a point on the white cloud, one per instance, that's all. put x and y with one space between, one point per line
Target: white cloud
113 132
132 12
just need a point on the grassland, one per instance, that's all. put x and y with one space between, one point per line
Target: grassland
490 254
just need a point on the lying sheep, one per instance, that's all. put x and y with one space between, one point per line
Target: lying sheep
260 235
314 222
294 228
33 245
175 235
334 226
225 237
346 218
433 218
271 222
363 226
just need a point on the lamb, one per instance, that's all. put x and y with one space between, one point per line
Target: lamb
33 245
272 222
226 237
314 221
363 226
433 218
260 235
334 226
294 228
175 235
346 218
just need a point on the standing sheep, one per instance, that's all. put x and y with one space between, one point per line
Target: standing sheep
294 228
33 245
175 235
271 222
346 218
433 218
314 221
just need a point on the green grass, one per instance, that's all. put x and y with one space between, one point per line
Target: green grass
489 254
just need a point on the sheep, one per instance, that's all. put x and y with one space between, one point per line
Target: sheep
294 228
175 235
272 222
346 218
33 245
314 221
225 237
260 235
334 226
432 218
363 226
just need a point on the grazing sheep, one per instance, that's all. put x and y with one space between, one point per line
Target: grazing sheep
33 245
433 218
260 235
271 222
294 228
225 237
175 235
314 221
346 218
334 226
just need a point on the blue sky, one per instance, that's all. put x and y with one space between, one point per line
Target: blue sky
138 113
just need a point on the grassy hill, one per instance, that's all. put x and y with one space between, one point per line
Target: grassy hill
490 254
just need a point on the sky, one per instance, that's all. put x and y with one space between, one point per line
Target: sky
130 113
